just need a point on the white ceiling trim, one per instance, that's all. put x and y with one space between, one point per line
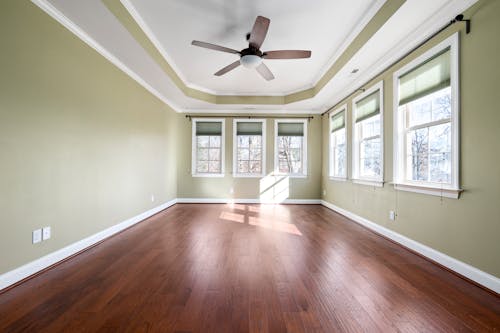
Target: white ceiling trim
448 11
370 13
358 27
75 29
324 99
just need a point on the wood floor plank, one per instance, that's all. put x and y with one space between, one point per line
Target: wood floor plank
248 268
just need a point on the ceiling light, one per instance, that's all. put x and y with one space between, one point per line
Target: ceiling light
250 61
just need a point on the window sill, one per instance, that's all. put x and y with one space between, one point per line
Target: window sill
289 175
436 191
248 176
369 182
338 179
208 175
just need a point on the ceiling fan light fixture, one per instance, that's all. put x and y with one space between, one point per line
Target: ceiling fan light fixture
250 61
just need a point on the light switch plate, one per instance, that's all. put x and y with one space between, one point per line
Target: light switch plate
46 233
37 236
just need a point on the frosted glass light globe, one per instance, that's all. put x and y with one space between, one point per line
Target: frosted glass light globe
250 61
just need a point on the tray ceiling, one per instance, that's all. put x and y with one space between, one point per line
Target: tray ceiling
150 40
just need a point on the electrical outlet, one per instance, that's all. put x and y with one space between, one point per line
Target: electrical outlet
392 215
152 198
37 236
324 192
231 190
46 233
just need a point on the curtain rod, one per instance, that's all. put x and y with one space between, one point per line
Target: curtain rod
189 116
458 18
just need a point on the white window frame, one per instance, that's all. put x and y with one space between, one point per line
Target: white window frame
356 178
193 147
304 148
446 190
342 108
235 148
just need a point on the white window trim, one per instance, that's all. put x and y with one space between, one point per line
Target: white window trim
235 149
193 148
342 108
304 150
452 190
356 178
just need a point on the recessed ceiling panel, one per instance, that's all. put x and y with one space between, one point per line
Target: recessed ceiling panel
321 26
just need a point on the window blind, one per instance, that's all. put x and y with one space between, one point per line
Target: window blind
248 128
426 78
368 106
208 128
338 121
290 129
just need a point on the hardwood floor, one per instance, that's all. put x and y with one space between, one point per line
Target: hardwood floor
248 268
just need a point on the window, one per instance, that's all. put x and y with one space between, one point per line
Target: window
426 122
208 147
338 144
368 144
291 147
249 152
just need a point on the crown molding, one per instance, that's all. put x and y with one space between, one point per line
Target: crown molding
47 7
447 11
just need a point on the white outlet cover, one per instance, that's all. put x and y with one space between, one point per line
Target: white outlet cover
37 236
46 233
152 198
392 215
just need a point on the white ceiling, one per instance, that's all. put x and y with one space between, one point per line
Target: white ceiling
173 24
320 26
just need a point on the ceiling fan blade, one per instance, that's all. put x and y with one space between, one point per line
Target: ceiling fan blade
287 54
265 72
228 68
259 31
214 47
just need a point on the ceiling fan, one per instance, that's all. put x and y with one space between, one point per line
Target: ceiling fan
252 56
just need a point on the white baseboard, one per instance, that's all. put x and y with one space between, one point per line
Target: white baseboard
250 201
20 273
485 279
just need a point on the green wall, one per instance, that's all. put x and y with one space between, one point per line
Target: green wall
83 146
467 229
248 188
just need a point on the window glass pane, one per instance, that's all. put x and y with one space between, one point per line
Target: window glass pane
441 104
255 167
202 141
243 154
370 153
214 154
440 167
420 112
255 154
214 166
418 151
202 154
255 141
202 166
433 107
370 127
243 141
440 138
290 154
243 167
215 141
